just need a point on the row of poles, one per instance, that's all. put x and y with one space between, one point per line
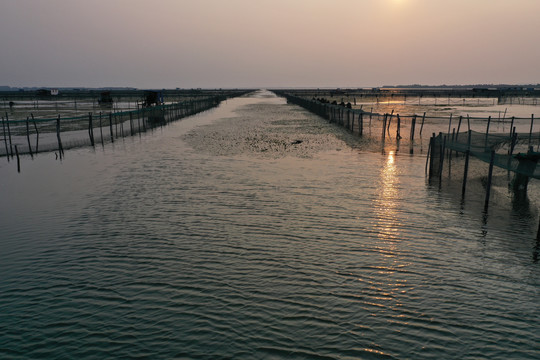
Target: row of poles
438 149
347 117
139 121
353 119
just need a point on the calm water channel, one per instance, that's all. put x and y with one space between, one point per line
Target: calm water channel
254 231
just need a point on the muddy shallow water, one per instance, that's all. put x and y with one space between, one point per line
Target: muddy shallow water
258 230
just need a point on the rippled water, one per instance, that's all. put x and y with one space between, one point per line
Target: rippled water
216 237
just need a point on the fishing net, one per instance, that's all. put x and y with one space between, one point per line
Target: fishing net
511 152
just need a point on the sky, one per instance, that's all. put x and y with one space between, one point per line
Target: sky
268 43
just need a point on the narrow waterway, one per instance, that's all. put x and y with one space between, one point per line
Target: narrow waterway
257 230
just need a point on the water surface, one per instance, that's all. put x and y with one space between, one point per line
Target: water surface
217 237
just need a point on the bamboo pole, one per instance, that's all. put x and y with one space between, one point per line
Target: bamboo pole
530 131
422 126
458 127
60 148
428 155
9 135
466 168
512 126
432 155
37 132
5 138
411 137
111 128
390 121
384 127
90 129
101 129
398 130
28 138
131 123
490 176
443 148
487 133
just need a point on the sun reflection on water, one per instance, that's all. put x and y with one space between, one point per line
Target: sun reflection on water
387 200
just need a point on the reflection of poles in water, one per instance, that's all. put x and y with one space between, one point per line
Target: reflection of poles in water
18 159
490 176
537 246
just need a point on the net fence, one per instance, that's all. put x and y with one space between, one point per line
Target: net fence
513 152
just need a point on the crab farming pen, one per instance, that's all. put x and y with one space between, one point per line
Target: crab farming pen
33 135
515 152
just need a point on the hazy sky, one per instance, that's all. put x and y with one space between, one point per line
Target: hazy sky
268 43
